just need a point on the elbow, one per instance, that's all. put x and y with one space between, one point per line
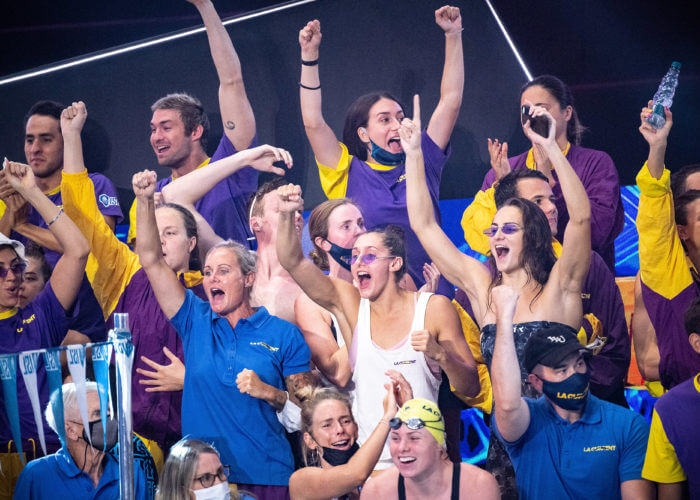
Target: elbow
231 81
167 194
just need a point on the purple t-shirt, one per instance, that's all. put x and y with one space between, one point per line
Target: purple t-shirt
381 195
224 206
41 324
107 202
599 177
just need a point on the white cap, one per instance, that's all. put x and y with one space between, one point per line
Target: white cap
19 247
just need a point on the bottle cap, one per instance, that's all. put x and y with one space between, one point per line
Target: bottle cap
121 321
676 64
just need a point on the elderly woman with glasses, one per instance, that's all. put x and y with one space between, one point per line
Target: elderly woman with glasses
521 253
421 467
417 334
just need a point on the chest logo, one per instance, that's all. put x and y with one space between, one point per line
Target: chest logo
605 447
406 362
108 201
266 346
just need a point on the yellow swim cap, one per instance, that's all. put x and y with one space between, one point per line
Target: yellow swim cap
418 413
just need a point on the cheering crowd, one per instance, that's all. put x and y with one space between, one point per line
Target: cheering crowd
268 374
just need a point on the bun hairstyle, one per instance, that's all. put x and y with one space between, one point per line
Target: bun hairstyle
310 398
562 93
318 227
358 116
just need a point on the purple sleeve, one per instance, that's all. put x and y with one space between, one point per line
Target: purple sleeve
599 177
243 182
106 196
610 366
488 179
86 316
434 158
52 315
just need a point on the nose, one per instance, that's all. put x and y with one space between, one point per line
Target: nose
156 135
11 276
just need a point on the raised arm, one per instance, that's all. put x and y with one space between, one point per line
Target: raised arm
572 267
657 140
323 141
236 112
316 483
167 288
67 276
452 86
334 295
465 272
511 412
187 189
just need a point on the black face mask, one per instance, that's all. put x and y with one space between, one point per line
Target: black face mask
339 457
340 255
98 440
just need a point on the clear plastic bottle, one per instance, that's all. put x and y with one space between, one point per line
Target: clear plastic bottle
664 96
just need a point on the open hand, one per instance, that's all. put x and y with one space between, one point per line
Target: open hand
290 199
73 118
449 19
431 275
653 136
262 158
498 153
144 184
310 39
165 377
402 388
410 129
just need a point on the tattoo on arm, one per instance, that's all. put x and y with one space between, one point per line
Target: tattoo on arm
278 400
229 125
297 382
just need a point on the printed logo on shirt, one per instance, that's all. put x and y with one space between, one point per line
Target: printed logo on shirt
560 339
266 346
605 447
401 178
108 201
406 362
29 319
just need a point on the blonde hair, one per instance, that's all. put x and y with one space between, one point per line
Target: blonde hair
311 397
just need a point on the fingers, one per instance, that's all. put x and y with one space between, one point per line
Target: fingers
169 354
150 363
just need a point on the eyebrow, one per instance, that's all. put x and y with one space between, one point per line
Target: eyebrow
162 122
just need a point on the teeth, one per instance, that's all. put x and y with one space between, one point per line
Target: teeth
362 274
405 460
341 443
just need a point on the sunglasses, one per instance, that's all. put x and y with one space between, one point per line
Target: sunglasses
17 269
207 479
414 423
368 258
507 228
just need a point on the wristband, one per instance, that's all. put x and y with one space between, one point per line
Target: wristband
310 63
60 211
307 87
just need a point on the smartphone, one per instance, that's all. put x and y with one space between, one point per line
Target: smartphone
539 124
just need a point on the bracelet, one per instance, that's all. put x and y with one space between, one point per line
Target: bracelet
309 88
60 211
310 63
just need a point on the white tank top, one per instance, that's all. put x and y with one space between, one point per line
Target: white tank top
369 362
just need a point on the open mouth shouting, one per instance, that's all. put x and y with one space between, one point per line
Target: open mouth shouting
363 279
394 145
343 444
501 251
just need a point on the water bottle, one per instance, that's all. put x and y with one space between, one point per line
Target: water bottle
664 96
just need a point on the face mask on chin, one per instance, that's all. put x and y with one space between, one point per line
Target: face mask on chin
339 457
340 255
385 157
569 394
219 491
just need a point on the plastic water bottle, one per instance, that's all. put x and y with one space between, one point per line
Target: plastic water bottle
664 96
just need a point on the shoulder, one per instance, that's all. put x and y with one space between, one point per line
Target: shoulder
439 306
592 157
473 478
43 467
384 485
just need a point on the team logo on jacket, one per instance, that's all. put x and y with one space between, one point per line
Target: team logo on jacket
108 201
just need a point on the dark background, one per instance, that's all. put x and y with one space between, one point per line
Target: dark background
612 54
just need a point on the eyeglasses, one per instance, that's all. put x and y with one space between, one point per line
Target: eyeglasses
368 258
507 228
17 269
207 479
414 423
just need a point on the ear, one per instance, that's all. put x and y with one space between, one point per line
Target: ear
694 339
535 382
568 113
249 279
309 441
363 135
396 264
193 243
197 133
323 243
71 431
255 223
682 232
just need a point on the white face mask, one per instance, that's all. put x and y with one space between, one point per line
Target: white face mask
219 491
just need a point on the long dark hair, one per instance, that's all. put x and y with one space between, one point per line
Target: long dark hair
537 256
357 116
190 224
562 93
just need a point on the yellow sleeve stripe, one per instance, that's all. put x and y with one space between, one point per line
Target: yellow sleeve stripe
116 263
662 260
476 218
334 181
131 235
661 462
483 400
